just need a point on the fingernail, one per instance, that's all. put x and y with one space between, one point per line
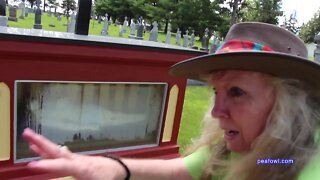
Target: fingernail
33 163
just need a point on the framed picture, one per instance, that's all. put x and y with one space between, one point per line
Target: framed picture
89 117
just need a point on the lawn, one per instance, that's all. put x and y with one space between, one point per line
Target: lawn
195 106
95 28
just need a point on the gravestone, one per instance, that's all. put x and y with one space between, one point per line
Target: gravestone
72 23
12 14
22 10
59 17
168 36
37 19
178 37
3 17
99 19
317 51
154 32
186 38
26 13
132 29
192 39
120 31
205 41
215 45
110 21
105 26
49 13
125 25
140 29
116 22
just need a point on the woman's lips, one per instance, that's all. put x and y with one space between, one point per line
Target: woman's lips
230 134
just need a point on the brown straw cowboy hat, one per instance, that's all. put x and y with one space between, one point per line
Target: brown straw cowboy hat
254 46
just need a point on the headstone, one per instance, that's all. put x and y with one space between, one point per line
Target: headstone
110 21
22 10
186 38
12 14
140 29
168 36
26 13
132 29
116 22
215 45
178 37
205 41
105 26
125 25
317 51
3 17
37 19
72 23
99 19
120 31
192 39
52 25
59 17
83 17
154 32
49 12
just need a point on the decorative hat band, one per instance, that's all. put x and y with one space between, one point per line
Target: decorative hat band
240 45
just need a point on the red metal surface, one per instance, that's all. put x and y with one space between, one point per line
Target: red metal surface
32 60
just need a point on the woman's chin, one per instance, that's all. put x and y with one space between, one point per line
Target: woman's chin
236 147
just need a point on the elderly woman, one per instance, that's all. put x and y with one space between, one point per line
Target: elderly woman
263 124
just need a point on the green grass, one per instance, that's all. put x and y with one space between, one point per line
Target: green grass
195 106
94 27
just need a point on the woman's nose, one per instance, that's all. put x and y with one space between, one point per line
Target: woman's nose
219 109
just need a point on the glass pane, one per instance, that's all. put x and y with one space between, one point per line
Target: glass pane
89 116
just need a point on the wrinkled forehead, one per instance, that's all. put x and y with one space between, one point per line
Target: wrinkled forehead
225 76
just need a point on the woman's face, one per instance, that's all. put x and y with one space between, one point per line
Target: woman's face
243 102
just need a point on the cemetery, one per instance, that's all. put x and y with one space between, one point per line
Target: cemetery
54 82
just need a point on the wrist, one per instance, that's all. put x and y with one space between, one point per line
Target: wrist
125 170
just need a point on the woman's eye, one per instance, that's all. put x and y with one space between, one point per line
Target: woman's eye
236 92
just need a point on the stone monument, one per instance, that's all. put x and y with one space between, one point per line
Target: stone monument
125 24
105 26
37 19
192 39
12 14
154 32
72 23
26 12
168 36
110 20
317 51
3 17
178 37
205 41
132 29
22 10
186 38
140 29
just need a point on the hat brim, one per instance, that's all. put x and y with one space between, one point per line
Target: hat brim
276 64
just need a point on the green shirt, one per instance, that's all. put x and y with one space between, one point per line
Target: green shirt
196 161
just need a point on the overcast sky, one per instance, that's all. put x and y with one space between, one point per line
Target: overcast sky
305 8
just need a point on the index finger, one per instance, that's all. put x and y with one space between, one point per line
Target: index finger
44 145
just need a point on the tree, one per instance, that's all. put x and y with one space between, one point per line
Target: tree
32 2
160 11
311 28
266 11
117 9
68 5
291 23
